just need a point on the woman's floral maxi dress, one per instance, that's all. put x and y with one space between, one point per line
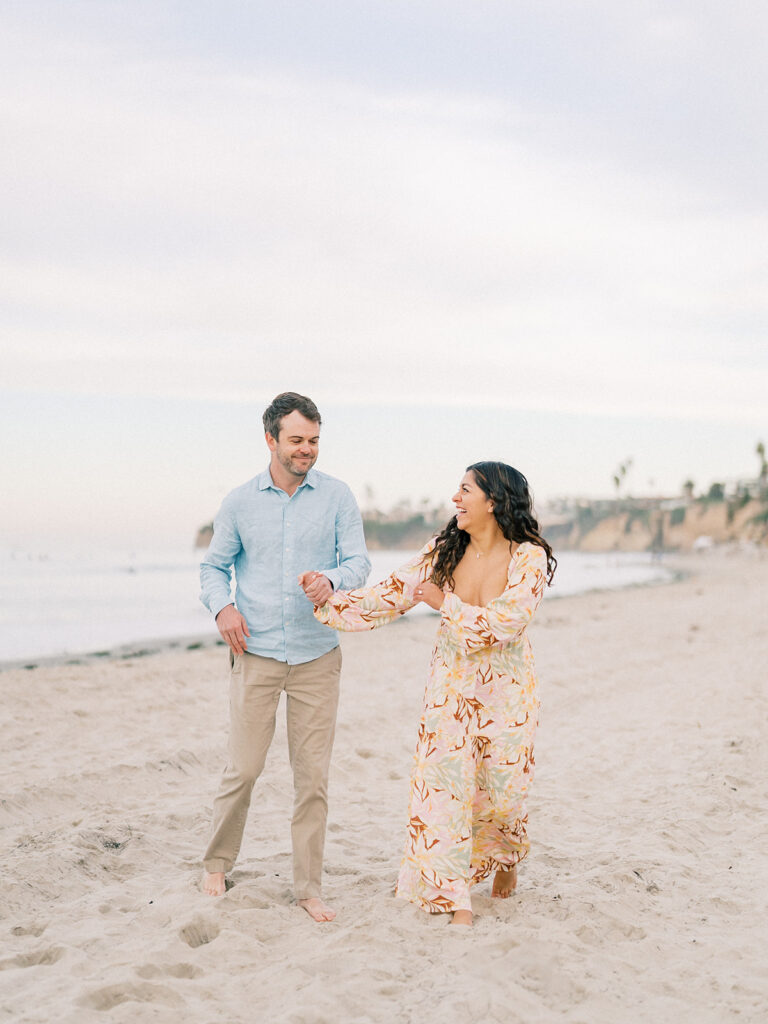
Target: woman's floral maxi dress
474 755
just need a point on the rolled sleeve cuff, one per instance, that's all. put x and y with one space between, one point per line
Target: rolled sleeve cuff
334 575
218 605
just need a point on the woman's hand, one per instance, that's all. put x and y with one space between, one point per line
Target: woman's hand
429 593
316 586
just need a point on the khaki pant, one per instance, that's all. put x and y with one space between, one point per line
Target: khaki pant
312 695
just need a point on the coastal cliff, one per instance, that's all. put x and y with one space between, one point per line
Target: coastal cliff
654 527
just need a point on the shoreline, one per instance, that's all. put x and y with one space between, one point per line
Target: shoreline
146 647
121 652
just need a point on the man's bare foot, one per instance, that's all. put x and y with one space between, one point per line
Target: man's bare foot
316 909
504 883
462 917
213 883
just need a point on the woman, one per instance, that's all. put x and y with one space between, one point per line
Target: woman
486 574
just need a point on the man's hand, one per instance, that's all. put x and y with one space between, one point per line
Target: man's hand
233 628
317 587
429 593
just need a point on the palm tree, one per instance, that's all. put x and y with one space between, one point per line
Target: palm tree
620 474
763 477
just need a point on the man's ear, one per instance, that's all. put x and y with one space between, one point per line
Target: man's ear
271 442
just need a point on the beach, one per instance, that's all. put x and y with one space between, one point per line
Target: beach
643 898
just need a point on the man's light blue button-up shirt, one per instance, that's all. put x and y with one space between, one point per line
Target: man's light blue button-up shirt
269 538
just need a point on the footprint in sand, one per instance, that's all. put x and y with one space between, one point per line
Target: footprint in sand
35 959
251 897
110 996
199 932
34 929
149 971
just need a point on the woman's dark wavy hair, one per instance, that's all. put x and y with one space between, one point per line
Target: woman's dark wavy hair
508 490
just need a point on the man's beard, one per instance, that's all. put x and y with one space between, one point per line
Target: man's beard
287 463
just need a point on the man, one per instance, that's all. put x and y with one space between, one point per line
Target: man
289 519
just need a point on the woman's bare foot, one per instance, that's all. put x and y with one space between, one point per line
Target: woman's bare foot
316 909
213 883
462 917
504 883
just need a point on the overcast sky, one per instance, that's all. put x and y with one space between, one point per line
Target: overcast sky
529 231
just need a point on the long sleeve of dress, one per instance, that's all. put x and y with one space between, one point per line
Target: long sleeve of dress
369 607
472 628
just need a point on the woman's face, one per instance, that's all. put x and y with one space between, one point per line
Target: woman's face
473 507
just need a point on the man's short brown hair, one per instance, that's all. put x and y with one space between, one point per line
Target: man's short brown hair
282 405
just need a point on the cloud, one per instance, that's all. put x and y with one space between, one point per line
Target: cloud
198 229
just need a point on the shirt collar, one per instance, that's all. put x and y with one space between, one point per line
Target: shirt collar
265 480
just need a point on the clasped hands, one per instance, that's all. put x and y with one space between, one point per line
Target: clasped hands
318 589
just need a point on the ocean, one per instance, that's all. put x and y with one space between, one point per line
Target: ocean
55 605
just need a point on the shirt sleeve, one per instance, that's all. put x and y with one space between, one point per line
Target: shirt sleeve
369 607
354 564
216 567
474 627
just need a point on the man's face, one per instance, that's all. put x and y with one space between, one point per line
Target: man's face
297 444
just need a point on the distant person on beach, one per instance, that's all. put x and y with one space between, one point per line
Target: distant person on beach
269 530
485 573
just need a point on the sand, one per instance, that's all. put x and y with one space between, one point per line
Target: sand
643 899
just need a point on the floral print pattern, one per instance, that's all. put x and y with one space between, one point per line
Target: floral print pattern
474 752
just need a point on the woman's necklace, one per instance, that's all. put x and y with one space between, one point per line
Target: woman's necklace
477 551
